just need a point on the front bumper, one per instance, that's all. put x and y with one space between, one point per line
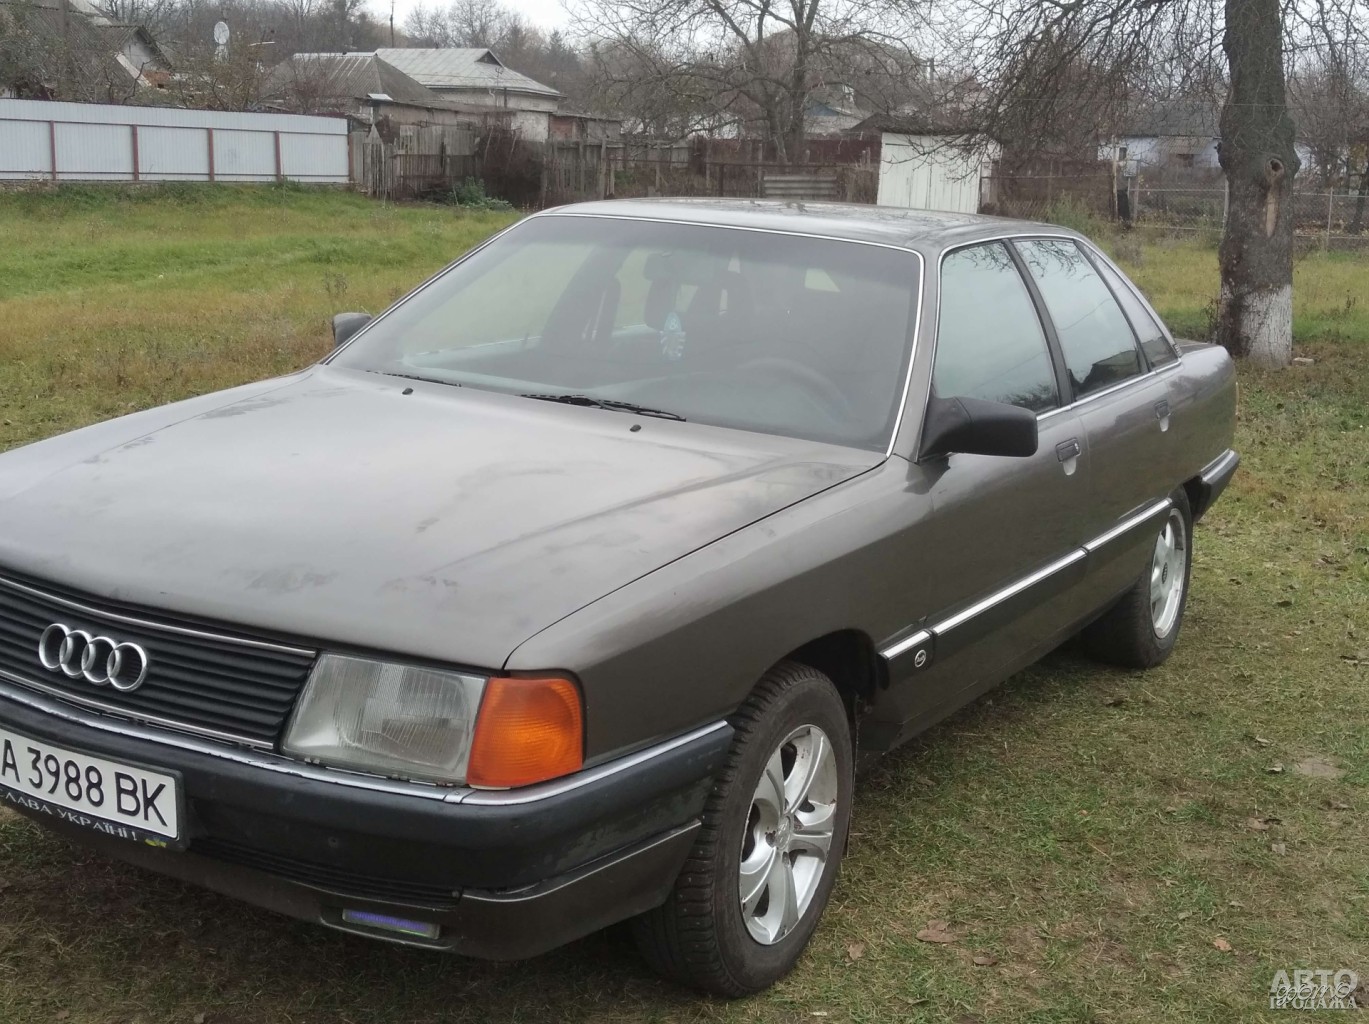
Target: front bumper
503 875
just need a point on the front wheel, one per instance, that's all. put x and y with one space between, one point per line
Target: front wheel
766 856
1141 629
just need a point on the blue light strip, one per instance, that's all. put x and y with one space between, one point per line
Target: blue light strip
385 922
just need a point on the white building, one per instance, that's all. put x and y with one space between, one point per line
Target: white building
930 172
475 77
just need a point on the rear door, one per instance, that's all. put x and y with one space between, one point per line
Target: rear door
1001 548
1123 406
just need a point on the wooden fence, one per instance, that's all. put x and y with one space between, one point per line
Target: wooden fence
428 161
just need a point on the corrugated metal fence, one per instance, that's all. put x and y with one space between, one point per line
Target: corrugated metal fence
98 142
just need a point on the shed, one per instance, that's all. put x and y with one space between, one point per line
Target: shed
930 172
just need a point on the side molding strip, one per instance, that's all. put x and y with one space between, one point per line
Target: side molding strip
924 639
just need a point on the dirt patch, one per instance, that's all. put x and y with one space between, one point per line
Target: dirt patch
1317 768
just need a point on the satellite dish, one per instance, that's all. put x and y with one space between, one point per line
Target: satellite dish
221 33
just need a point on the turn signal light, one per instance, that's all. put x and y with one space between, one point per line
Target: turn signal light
528 730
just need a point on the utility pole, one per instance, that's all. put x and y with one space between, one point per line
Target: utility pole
64 78
392 23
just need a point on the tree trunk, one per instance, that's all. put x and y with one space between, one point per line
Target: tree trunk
1255 317
1357 224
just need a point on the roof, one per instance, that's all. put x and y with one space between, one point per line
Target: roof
452 68
1185 117
359 76
95 66
924 230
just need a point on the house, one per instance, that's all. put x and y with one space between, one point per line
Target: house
69 50
476 78
1177 134
359 86
591 129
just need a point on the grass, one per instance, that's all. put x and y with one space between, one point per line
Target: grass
1094 832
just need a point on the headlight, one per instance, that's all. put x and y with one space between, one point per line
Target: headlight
437 726
404 720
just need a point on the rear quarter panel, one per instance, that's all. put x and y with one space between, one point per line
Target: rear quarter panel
1202 399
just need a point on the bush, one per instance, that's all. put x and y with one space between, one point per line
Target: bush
471 195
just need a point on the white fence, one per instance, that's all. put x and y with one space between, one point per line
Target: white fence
98 142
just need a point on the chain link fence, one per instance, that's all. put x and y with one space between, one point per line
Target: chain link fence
1329 219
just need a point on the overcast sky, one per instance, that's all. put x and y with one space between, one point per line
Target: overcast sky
544 14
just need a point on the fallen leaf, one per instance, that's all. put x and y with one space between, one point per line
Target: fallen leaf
855 950
936 931
1256 824
1221 944
1261 741
1279 848
1235 903
985 960
62 1015
1334 805
1276 768
1184 915
819 1013
1114 702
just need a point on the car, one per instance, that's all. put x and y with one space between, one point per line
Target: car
574 587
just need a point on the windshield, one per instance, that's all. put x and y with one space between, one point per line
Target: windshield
778 333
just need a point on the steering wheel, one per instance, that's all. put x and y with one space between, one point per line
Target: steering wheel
805 375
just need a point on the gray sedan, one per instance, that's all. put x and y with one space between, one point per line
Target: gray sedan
574 587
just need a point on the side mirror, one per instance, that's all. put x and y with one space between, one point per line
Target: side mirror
347 324
973 426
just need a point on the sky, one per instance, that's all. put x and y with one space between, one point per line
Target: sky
544 14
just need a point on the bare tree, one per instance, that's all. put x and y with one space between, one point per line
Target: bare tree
465 23
152 15
1034 54
757 62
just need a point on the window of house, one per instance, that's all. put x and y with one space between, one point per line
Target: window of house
989 339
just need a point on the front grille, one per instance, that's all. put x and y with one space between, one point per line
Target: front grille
199 679
339 881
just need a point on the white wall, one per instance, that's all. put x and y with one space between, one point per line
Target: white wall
101 142
532 125
922 172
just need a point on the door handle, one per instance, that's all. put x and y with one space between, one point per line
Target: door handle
1067 450
1162 414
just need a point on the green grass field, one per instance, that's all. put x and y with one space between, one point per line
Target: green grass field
1109 847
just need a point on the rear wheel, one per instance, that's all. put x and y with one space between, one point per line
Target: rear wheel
1141 629
773 834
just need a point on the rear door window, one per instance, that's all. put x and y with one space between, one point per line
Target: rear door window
1096 339
1153 341
989 339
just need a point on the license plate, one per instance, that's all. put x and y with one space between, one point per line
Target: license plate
117 799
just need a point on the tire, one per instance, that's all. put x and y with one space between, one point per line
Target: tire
1133 634
702 937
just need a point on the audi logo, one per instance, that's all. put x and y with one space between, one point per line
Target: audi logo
96 659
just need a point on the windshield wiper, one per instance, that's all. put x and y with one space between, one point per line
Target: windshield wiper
607 403
414 376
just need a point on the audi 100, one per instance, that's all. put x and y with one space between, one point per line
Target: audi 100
574 587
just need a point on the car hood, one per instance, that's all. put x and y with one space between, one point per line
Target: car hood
343 508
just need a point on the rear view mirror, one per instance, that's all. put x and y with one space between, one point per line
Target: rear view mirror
973 426
347 324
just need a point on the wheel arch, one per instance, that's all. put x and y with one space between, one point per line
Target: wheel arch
850 659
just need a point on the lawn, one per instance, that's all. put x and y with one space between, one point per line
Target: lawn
1104 846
